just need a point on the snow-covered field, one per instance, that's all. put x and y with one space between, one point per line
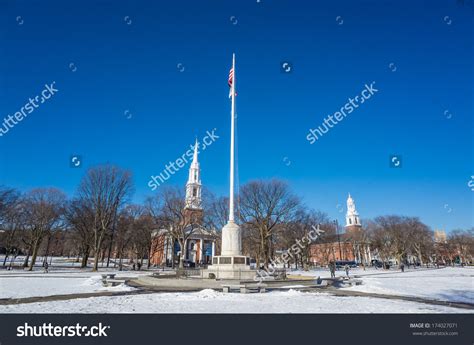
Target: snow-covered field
210 301
64 277
447 284
33 285
454 284
58 262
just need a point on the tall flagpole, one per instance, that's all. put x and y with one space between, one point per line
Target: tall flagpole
232 128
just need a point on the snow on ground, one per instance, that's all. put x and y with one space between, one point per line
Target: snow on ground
454 284
210 301
60 262
448 284
21 284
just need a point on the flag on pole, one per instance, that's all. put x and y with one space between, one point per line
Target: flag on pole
230 81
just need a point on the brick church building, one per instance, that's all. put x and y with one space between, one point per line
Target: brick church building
348 246
201 244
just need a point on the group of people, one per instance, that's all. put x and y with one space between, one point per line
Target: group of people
137 266
332 269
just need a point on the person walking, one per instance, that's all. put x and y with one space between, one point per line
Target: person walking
402 267
347 268
332 269
46 266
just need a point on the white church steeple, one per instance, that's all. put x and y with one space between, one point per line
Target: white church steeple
193 186
352 216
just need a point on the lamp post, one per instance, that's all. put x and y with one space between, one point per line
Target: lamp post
14 254
336 224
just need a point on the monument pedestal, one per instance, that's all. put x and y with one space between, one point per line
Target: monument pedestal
231 264
230 267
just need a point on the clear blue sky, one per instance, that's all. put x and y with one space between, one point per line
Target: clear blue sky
134 67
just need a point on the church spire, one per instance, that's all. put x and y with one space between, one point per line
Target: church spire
352 216
193 186
195 156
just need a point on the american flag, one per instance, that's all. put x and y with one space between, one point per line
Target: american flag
230 81
231 77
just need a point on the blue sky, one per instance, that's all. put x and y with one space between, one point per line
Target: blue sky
110 57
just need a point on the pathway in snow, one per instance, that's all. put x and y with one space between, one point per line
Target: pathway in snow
452 284
210 301
421 290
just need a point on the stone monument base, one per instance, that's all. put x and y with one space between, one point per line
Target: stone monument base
230 267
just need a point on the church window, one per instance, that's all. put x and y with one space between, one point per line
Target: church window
194 192
350 221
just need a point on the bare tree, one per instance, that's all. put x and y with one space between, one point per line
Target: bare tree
398 236
142 237
422 239
179 223
43 212
80 217
381 240
399 233
134 229
250 241
11 220
104 189
264 205
293 232
216 211
462 243
216 214
124 232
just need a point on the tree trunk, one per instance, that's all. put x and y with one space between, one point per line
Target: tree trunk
96 261
47 246
27 258
85 258
102 256
420 257
5 260
258 258
265 251
97 242
33 257
183 253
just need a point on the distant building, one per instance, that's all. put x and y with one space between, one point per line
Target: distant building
440 236
352 216
349 246
201 243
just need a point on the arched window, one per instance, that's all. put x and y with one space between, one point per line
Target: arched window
194 192
350 221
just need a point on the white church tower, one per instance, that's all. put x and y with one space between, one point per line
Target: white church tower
193 186
352 216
